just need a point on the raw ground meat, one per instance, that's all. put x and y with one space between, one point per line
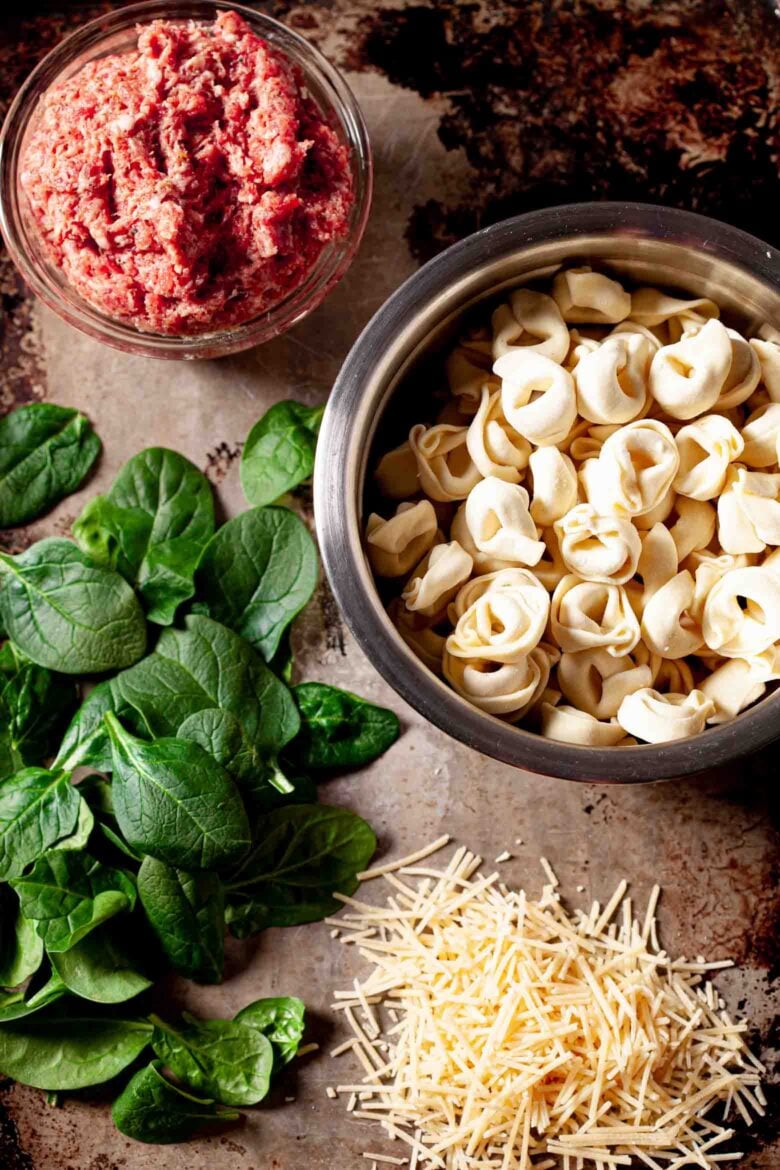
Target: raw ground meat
188 185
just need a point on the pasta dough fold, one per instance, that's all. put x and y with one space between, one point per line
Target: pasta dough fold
598 548
688 377
587 297
749 511
531 321
569 725
585 615
395 545
611 381
658 718
537 396
554 485
498 519
444 465
494 446
706 448
437 579
742 613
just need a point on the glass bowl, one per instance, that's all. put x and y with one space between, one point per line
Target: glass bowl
384 380
116 33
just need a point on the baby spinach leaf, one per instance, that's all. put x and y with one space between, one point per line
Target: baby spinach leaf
256 574
279 451
85 823
45 453
70 1047
281 1019
305 854
186 911
192 673
70 894
34 705
65 613
37 808
173 801
152 526
21 949
99 969
223 1059
153 1110
339 729
28 1005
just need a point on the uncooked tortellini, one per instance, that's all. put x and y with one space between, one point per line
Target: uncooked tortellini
658 718
687 378
749 511
742 613
444 465
506 689
598 548
499 521
611 381
531 321
437 579
494 445
589 530
554 485
395 545
537 396
589 614
706 448
635 469
505 621
572 726
588 297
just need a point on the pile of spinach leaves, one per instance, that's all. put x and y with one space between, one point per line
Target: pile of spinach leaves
200 811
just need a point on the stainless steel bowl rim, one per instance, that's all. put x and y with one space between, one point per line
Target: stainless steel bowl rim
337 484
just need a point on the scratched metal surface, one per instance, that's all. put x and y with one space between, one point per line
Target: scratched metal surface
476 111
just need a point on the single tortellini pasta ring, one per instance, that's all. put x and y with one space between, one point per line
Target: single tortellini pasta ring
537 396
760 436
635 469
437 579
744 373
769 359
568 725
587 297
598 548
597 682
494 446
742 613
668 628
554 485
531 321
484 563
585 615
707 447
507 689
749 511
611 382
445 468
657 718
651 307
395 545
688 377
501 579
733 687
498 518
693 525
502 625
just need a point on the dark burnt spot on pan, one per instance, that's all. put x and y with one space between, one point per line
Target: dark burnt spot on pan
12 1156
584 99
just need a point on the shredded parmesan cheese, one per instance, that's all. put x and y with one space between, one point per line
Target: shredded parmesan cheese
503 1033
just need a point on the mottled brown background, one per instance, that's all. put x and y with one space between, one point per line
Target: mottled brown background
477 111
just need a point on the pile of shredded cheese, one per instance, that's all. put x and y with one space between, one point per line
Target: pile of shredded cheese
495 1032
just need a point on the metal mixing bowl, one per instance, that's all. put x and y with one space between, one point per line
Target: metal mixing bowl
380 393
